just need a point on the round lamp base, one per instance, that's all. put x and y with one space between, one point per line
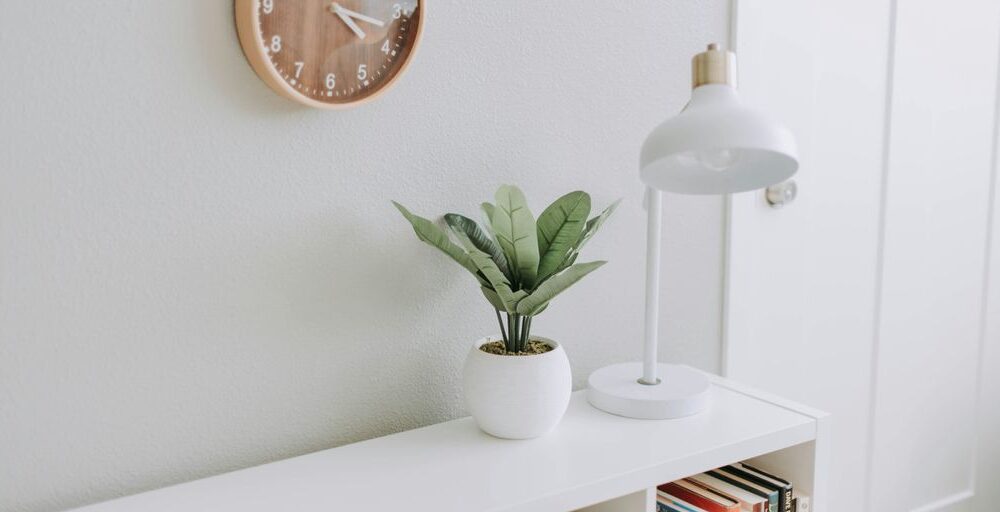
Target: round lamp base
682 391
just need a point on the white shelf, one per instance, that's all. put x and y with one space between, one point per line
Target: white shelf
592 457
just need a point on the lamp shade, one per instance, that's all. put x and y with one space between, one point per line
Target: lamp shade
717 145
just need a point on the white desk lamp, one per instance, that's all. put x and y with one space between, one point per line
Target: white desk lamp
716 145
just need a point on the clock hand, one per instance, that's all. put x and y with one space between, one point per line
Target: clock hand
362 17
335 8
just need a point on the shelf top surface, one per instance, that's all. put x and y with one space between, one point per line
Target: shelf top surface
591 456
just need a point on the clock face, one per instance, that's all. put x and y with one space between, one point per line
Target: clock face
329 53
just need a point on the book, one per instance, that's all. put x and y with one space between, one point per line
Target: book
676 502
707 499
784 499
758 476
760 490
748 501
666 507
780 481
669 506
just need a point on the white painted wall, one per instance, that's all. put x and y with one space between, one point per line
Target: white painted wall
866 296
197 275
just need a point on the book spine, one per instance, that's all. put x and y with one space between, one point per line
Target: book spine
692 498
786 494
771 505
775 497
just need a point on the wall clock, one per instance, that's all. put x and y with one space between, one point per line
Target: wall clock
329 53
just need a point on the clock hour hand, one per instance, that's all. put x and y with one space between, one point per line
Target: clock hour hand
358 15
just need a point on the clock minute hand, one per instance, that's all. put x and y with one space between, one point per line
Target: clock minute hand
337 9
362 17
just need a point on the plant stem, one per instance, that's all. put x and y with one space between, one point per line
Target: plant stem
524 333
520 342
509 345
524 341
527 330
517 334
502 330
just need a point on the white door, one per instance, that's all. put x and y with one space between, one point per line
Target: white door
865 296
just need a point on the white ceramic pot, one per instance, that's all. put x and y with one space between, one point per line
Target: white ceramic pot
517 397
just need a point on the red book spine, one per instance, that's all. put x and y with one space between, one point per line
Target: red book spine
692 497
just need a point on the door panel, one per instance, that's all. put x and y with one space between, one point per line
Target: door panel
988 452
934 249
801 295
865 297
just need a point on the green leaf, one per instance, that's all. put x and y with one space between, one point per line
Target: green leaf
570 260
534 303
592 226
588 233
514 300
429 233
501 286
515 231
493 298
488 210
471 236
559 228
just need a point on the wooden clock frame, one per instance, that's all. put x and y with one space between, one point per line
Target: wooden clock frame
252 42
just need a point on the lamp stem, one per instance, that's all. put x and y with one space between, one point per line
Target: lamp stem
653 213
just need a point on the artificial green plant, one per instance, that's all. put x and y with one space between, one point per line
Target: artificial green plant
520 264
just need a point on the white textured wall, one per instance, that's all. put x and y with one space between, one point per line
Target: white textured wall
197 275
